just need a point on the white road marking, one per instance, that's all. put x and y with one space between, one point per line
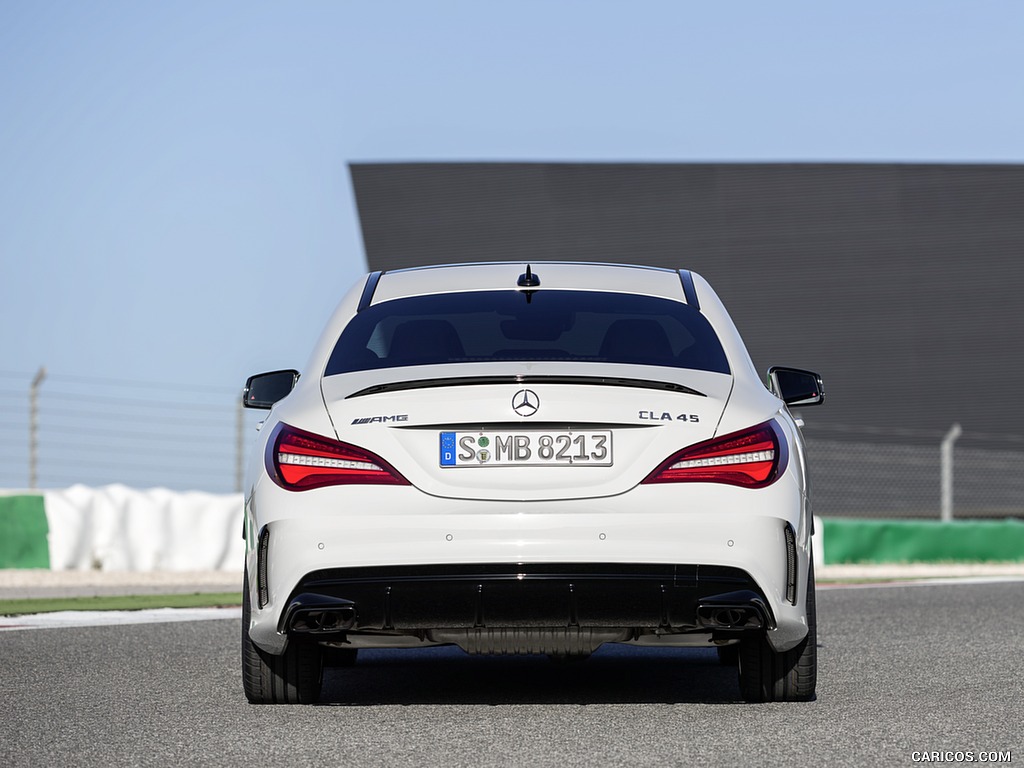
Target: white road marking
59 619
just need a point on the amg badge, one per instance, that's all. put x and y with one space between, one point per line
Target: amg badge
380 419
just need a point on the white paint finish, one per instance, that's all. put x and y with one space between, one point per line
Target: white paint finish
648 281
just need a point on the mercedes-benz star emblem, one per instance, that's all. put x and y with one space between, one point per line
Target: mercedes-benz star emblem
525 402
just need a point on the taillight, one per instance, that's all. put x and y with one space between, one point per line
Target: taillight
301 460
752 458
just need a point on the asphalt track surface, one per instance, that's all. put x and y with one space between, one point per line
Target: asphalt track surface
901 670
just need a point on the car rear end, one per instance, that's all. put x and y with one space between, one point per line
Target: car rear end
528 459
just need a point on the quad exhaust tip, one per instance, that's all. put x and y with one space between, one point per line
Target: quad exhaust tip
730 617
311 613
734 610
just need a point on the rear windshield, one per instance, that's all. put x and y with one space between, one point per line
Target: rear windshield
485 326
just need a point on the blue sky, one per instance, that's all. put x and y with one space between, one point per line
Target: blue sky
175 204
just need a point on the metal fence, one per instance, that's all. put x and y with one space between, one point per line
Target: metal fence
56 431
59 430
902 474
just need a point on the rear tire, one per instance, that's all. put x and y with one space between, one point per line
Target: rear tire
766 675
293 677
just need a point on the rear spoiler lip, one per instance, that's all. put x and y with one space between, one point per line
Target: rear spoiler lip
521 379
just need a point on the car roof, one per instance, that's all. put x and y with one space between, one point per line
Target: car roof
547 275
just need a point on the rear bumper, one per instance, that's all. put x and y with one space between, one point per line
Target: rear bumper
493 608
418 570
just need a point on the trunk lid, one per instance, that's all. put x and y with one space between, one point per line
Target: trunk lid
552 447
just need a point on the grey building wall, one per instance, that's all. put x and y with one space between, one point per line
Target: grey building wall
899 283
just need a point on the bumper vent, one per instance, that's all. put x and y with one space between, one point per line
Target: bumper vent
261 567
790 564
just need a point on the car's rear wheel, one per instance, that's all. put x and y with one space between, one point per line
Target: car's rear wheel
766 675
293 677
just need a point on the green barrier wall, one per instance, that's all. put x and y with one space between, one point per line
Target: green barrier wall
906 541
23 529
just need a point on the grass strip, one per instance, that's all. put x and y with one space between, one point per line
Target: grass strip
119 602
854 580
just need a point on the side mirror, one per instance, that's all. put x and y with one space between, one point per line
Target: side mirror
265 389
795 386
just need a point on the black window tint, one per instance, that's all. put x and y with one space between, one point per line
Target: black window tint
575 326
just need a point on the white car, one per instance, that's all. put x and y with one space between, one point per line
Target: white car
528 459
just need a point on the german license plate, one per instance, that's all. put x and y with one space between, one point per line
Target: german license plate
556 448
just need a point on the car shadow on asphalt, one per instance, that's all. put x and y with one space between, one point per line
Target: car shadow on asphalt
613 675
